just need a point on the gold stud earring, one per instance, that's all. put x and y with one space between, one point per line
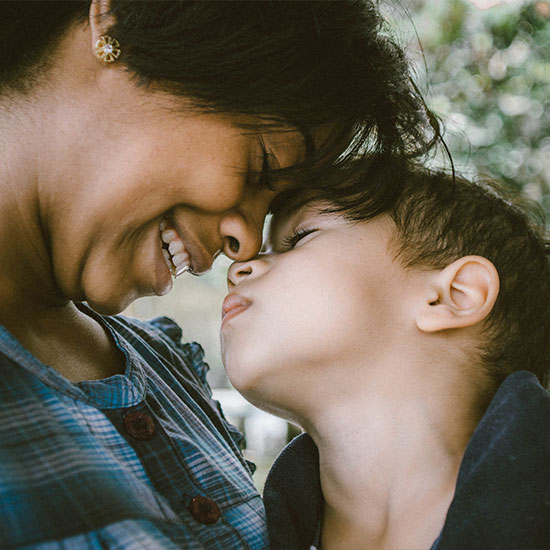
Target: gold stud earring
107 49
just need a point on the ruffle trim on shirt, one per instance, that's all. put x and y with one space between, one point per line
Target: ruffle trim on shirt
193 355
192 352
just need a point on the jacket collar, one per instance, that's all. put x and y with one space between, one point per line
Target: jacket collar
502 497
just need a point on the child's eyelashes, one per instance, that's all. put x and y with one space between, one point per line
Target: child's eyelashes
288 243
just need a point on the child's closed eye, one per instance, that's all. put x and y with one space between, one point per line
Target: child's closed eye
288 243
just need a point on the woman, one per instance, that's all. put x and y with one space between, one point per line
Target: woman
139 140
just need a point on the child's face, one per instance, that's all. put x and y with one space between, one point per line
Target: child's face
327 295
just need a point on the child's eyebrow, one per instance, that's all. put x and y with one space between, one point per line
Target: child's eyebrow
278 220
290 207
280 224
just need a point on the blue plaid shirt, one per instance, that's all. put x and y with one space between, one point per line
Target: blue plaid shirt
143 461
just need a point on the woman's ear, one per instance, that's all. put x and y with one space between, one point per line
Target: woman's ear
460 295
100 20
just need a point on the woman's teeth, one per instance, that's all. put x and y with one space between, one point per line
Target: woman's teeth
174 251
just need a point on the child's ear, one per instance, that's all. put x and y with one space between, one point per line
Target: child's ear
460 295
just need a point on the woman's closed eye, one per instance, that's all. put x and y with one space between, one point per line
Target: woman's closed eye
265 176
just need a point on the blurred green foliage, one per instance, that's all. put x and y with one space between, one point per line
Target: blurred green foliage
486 73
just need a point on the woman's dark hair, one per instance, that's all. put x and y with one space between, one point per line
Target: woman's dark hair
297 64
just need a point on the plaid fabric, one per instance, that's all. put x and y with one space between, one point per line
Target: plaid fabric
73 476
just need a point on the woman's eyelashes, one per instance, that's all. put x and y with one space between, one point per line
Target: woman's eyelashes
288 243
265 175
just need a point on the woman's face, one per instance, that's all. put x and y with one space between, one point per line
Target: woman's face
328 295
135 163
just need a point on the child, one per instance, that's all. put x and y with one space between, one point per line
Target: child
412 347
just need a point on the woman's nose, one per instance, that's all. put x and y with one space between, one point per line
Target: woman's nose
241 229
242 238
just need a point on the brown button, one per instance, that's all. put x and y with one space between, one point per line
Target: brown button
204 510
139 425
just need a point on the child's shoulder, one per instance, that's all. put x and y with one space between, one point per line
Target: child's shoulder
501 498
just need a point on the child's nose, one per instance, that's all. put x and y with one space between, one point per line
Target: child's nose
237 272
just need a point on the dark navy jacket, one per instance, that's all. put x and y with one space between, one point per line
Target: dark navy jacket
502 497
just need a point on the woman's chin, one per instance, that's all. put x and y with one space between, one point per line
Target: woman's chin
108 305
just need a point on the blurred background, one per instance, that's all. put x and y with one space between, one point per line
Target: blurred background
484 69
486 72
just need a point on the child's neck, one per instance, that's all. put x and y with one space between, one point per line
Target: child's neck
389 462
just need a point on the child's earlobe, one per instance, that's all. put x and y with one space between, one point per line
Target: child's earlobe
460 295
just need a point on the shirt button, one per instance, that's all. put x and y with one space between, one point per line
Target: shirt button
139 425
204 510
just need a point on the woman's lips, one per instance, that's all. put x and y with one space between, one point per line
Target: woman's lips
232 306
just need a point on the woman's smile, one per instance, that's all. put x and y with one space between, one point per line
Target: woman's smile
174 251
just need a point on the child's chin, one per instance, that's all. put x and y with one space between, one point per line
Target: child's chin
264 389
250 388
247 386
264 400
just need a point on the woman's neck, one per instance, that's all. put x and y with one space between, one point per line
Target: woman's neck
26 274
389 460
27 140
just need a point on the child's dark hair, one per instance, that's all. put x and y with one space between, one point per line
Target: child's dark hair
440 219
295 64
